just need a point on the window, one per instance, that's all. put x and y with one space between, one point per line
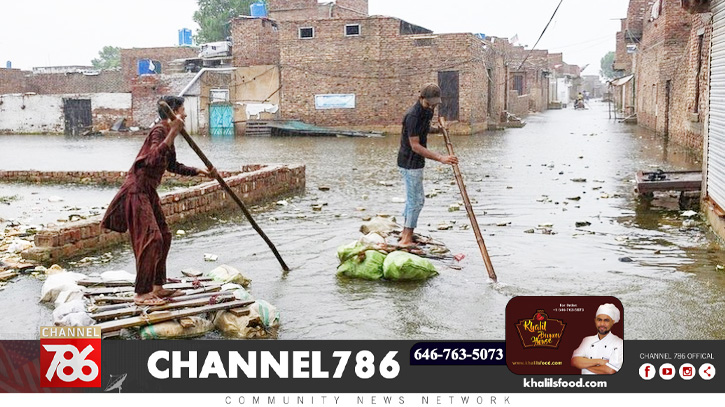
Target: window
423 42
307 32
352 30
219 95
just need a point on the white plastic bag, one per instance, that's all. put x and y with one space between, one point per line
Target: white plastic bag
57 283
228 274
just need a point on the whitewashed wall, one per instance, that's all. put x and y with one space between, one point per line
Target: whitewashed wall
44 113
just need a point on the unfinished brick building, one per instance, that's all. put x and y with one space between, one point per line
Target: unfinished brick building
375 63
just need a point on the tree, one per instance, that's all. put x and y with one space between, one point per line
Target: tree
108 57
607 63
213 18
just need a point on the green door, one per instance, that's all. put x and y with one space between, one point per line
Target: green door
221 119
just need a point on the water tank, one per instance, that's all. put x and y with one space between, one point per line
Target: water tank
184 37
258 9
9 65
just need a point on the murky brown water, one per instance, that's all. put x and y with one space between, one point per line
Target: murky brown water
671 289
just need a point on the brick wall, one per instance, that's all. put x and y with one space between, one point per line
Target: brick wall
12 81
381 67
496 68
687 121
662 52
297 10
59 244
58 83
165 55
256 41
102 177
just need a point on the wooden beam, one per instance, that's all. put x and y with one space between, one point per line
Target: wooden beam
133 309
163 316
206 291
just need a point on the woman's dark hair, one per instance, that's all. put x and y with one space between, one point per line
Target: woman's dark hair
174 103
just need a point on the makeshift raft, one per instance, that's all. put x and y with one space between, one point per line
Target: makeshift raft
377 255
215 300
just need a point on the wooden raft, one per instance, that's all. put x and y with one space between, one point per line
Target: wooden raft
112 304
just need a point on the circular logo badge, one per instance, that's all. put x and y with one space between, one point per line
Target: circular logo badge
647 371
687 371
667 371
707 371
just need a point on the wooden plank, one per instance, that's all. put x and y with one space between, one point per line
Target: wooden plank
7 275
132 309
206 291
240 312
116 290
674 181
91 282
163 316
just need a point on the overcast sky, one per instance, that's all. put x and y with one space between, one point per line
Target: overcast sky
37 33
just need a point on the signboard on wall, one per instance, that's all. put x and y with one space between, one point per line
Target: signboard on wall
335 101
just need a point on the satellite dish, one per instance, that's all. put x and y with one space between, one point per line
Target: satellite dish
115 382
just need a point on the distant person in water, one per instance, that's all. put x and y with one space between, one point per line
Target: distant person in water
136 206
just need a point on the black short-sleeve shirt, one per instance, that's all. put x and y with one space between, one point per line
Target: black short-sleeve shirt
416 123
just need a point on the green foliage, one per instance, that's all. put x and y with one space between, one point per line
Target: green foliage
607 69
213 18
108 57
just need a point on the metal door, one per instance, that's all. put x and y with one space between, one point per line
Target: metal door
716 125
221 119
78 116
448 81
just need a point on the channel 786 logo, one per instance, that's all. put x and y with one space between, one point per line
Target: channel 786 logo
70 356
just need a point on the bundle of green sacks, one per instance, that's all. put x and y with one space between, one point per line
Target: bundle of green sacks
358 260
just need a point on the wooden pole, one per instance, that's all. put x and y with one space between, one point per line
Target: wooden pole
469 208
224 185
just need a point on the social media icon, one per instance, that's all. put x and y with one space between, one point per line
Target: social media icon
667 371
647 371
707 371
687 371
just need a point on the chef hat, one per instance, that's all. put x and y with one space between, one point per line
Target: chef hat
609 309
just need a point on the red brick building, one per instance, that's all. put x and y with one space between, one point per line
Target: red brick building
376 64
661 60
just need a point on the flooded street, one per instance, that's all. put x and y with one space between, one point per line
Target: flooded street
518 180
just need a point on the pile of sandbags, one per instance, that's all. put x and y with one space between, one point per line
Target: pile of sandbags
61 289
358 260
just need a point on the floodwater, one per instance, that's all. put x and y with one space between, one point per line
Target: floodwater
518 179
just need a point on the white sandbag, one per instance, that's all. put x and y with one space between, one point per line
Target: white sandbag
54 269
76 319
57 283
261 322
69 295
383 226
174 329
18 245
117 275
243 295
231 287
228 274
372 239
70 307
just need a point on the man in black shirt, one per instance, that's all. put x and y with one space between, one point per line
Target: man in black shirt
412 154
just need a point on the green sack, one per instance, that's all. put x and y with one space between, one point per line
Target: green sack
405 266
367 265
349 250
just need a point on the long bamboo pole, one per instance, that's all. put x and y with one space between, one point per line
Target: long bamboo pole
224 185
469 208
